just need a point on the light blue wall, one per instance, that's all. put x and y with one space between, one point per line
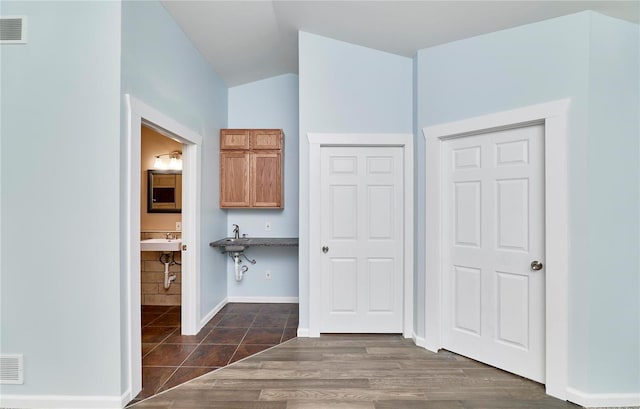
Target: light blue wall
351 89
269 103
593 61
505 70
613 205
60 187
161 67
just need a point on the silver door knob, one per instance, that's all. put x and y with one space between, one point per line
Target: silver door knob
536 265
325 249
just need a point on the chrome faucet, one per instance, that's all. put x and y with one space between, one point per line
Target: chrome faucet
236 231
169 236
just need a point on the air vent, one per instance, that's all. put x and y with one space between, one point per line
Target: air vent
11 369
13 30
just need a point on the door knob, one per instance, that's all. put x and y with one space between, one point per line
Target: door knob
536 265
325 249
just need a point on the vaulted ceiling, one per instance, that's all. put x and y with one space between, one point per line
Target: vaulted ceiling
246 41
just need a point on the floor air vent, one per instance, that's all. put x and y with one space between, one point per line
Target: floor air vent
11 369
13 30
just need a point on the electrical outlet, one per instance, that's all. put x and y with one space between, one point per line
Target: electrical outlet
267 275
267 226
178 226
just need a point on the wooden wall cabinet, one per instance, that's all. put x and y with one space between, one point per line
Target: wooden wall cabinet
251 168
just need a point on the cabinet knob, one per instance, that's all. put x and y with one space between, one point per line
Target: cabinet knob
325 249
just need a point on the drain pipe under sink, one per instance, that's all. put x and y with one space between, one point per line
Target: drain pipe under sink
238 270
168 278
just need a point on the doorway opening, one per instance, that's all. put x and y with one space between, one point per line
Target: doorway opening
142 117
160 219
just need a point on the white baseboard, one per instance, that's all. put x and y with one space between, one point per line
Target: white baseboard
64 401
211 313
603 400
430 347
419 341
303 332
423 343
284 300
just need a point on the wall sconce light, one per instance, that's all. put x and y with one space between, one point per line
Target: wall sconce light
175 161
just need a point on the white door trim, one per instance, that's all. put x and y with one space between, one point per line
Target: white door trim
316 142
138 113
554 117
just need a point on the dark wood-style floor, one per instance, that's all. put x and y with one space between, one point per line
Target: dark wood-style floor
356 372
237 331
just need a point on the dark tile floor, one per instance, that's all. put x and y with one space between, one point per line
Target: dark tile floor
236 332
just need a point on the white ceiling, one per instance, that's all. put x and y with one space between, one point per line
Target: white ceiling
246 41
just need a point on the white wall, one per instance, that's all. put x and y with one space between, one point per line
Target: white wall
60 191
345 88
269 103
593 60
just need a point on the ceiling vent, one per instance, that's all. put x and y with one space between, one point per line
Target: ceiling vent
11 369
13 30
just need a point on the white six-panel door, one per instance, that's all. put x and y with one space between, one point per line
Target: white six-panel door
493 229
362 239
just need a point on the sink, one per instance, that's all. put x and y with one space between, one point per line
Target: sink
160 245
237 241
233 245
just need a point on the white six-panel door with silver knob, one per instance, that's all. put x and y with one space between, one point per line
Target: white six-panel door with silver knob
493 249
362 236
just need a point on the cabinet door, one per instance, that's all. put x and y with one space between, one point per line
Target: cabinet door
234 139
270 139
234 179
266 179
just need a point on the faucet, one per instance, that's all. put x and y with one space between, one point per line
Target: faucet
169 236
236 231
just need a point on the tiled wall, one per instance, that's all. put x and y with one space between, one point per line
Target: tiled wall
152 290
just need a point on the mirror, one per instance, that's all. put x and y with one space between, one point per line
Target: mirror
165 191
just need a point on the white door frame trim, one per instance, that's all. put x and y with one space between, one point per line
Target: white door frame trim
139 113
554 117
316 142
